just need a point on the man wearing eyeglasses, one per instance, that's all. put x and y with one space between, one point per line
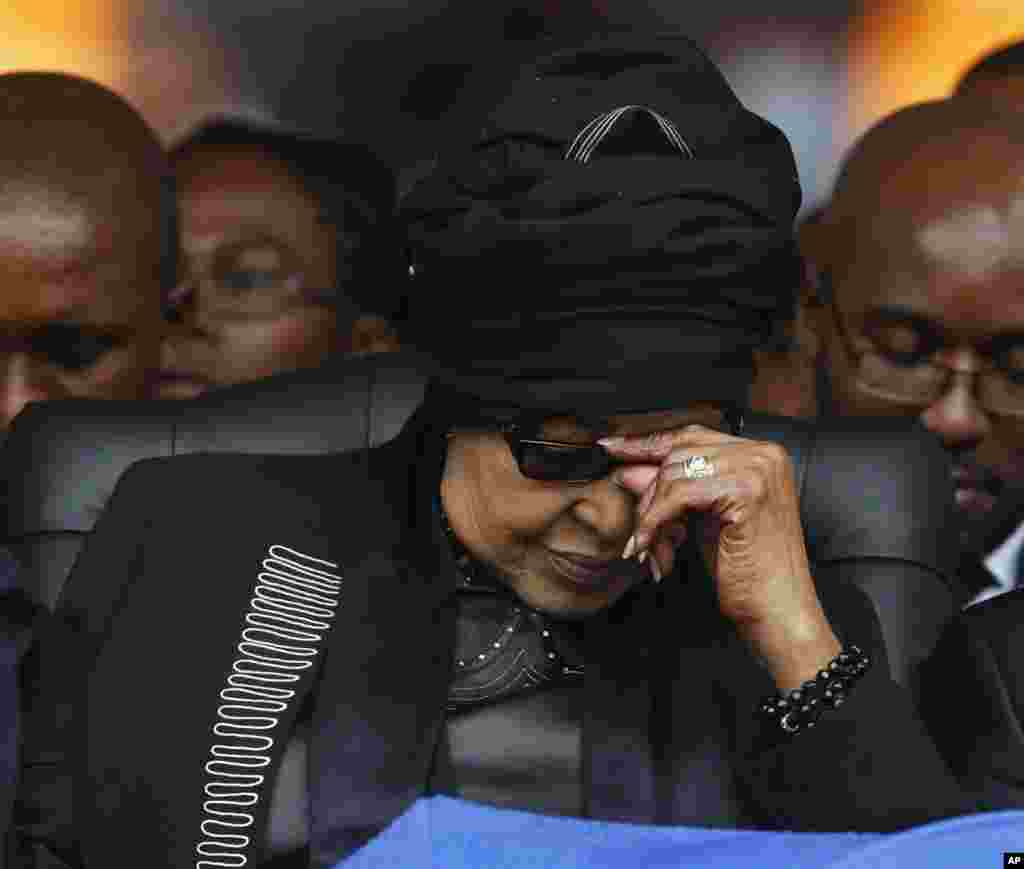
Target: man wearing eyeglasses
82 243
919 306
280 232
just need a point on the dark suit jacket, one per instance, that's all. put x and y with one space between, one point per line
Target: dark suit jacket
17 615
221 597
974 694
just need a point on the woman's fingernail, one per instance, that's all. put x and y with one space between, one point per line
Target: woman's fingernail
630 547
642 557
610 442
656 571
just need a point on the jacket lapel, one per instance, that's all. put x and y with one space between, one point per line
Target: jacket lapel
381 698
655 741
204 668
617 757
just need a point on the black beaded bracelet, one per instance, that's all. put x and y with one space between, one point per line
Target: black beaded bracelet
801 708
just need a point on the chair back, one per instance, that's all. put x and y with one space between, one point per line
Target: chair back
63 459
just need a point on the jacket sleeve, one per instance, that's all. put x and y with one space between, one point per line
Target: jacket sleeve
869 765
43 832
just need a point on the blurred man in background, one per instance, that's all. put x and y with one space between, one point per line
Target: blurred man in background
279 233
85 226
83 242
785 377
919 308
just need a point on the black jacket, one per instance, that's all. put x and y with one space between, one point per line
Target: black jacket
164 696
978 667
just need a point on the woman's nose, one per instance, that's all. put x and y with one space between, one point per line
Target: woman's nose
609 505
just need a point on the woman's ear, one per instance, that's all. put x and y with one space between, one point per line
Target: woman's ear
373 334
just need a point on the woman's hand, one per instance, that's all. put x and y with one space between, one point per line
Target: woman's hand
748 518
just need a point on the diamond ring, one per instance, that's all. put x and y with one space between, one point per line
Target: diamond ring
696 467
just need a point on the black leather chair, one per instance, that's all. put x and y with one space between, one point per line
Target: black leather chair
63 459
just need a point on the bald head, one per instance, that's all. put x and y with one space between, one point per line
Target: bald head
82 189
923 247
944 180
76 147
997 78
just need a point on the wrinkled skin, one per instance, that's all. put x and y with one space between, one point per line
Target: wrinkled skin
531 531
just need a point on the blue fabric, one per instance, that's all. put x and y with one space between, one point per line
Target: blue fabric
959 843
444 833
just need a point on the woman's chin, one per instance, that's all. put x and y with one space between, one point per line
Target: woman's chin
562 598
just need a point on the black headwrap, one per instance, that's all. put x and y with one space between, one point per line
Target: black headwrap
617 238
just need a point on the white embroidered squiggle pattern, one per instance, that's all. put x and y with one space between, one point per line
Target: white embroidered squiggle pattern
294 601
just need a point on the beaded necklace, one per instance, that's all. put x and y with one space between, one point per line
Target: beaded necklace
522 620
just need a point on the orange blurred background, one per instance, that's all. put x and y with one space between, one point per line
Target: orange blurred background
148 50
74 35
905 51
823 70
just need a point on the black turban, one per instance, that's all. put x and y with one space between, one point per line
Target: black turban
616 238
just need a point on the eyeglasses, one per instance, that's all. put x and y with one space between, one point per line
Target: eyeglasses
558 461
918 378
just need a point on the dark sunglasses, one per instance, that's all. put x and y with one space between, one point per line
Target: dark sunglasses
556 461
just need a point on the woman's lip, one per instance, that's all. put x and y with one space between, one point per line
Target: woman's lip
966 477
974 501
181 384
977 488
584 570
978 477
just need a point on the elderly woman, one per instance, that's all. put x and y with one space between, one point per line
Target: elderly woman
573 584
278 231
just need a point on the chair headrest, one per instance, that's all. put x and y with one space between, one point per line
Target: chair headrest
63 458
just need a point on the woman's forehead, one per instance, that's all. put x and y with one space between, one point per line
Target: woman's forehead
704 413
